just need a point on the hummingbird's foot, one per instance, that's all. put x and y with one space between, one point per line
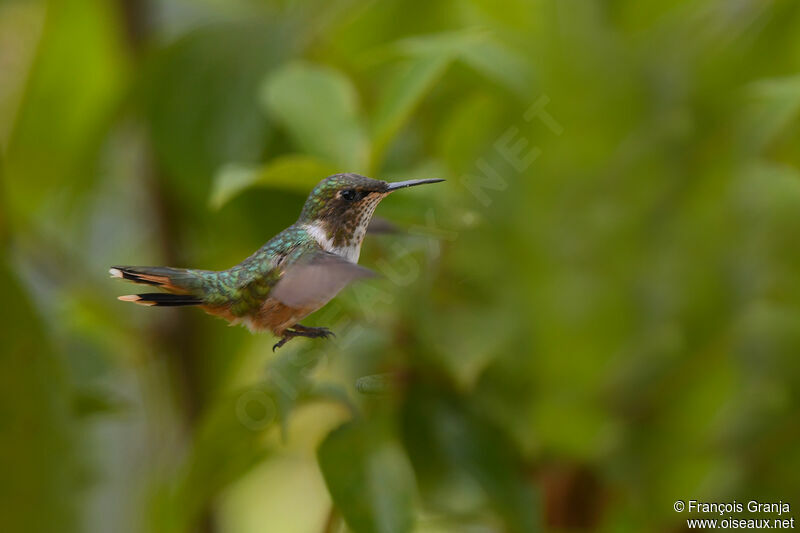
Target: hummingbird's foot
312 333
298 330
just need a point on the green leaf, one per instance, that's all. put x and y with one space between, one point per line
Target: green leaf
454 449
464 358
318 106
450 43
402 94
478 49
294 172
499 63
773 104
369 477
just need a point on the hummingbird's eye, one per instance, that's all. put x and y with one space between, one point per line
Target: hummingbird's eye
349 194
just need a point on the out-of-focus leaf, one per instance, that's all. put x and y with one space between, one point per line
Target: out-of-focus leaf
478 49
21 26
294 172
289 379
319 108
501 64
452 447
379 384
469 129
90 402
769 193
231 438
466 358
201 100
516 14
70 93
289 382
369 477
450 43
332 392
403 92
38 452
239 432
773 105
5 233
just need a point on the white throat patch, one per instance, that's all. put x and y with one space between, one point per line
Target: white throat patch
317 230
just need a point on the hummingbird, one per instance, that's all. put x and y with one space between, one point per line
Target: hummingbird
293 275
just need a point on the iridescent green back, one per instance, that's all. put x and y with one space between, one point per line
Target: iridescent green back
246 285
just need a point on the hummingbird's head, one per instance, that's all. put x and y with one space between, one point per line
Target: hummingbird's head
338 210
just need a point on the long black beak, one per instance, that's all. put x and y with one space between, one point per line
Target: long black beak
411 183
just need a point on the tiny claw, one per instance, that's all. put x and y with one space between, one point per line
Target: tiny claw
324 333
280 343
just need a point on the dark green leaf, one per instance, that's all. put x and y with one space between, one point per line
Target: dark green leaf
369 477
452 446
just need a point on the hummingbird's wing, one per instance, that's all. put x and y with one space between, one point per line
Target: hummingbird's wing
379 225
317 279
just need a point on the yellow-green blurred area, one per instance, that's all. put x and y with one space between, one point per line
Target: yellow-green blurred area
597 314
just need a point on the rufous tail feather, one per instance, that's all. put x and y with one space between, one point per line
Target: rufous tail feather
176 280
179 283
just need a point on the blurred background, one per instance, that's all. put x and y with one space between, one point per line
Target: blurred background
596 315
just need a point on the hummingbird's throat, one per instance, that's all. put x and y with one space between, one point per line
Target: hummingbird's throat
342 235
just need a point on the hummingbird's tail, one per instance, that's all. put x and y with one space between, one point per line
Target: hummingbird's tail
161 299
184 285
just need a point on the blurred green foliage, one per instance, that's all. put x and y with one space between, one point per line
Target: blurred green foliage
596 315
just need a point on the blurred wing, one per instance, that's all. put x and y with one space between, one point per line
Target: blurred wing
379 225
317 280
